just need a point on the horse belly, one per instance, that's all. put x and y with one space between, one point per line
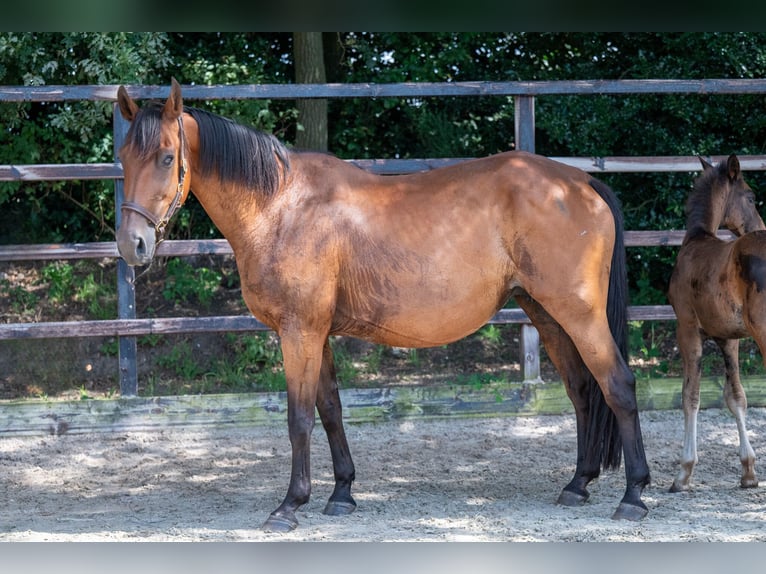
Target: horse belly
421 315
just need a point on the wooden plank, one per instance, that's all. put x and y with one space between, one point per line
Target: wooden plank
46 172
641 164
59 93
52 417
87 171
664 238
128 327
47 251
239 323
98 250
651 313
184 247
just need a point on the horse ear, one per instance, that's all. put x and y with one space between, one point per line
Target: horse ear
174 107
706 165
732 165
128 107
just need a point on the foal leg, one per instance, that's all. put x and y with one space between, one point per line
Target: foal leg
570 366
735 398
690 346
329 407
302 355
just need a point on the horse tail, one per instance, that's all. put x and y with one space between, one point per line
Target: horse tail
603 435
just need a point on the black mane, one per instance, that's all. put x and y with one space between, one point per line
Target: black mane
236 153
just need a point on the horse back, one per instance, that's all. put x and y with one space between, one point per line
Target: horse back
427 258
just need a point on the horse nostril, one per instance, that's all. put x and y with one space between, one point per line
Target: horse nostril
140 246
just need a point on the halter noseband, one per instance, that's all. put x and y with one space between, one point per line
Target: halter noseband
161 224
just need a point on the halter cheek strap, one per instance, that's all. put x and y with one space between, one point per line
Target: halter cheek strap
161 223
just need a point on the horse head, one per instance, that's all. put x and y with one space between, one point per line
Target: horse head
738 211
154 161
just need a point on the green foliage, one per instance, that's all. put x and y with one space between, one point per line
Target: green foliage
181 360
257 364
60 278
346 370
646 340
584 126
751 361
492 334
66 132
184 283
99 297
21 299
374 359
66 281
110 348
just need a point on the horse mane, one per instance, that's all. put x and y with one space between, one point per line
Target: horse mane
699 205
236 153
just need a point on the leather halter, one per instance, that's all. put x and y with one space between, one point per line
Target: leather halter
161 223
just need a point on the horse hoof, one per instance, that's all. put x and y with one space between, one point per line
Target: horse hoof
569 498
339 508
748 483
632 512
675 487
279 523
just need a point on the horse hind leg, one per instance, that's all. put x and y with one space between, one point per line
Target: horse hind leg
618 425
736 400
330 412
569 364
690 346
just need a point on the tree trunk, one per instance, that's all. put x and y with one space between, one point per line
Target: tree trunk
309 69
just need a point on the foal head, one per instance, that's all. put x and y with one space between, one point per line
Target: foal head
722 198
154 162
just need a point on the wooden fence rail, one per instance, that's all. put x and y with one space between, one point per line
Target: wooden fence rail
127 327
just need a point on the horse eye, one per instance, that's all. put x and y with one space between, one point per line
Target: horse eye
167 161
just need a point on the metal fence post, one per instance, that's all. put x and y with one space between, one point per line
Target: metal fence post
524 124
126 289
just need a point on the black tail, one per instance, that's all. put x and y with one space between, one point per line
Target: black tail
603 435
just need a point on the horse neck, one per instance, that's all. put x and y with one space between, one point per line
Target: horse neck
705 214
232 208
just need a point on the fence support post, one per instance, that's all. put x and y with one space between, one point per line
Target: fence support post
126 289
524 124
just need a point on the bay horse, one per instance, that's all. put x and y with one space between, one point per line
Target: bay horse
717 292
326 248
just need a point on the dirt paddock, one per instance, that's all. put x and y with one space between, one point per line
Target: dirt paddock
477 479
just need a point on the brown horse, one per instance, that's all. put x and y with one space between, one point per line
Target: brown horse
717 292
325 248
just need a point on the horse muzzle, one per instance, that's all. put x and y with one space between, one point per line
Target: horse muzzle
136 243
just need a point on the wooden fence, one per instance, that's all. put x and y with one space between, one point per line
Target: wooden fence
126 327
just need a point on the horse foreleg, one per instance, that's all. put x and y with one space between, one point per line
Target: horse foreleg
302 356
330 412
736 400
690 346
